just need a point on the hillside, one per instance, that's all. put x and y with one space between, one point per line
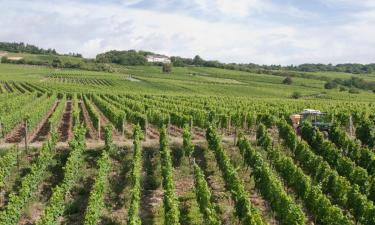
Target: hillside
182 81
203 112
135 145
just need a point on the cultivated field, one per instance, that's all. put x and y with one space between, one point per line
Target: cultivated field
196 146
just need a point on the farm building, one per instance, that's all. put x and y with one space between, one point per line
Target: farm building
158 58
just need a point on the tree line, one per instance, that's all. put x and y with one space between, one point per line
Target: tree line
136 58
25 48
353 82
32 49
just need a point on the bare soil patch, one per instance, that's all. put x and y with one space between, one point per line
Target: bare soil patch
175 131
152 133
16 135
91 132
43 133
65 129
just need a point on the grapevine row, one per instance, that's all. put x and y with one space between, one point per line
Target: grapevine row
131 115
76 111
343 165
117 117
30 183
362 156
171 209
270 187
244 211
7 162
72 169
204 197
55 119
366 133
93 113
133 218
96 201
312 196
202 191
338 187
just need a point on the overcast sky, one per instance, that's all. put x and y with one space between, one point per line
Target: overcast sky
258 31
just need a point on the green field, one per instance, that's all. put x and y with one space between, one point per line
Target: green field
195 146
182 81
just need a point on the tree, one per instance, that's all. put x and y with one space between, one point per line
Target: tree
4 59
198 61
126 58
288 80
56 63
167 67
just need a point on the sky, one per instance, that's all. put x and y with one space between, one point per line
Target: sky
243 31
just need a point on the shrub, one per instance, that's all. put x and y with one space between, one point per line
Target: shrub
167 68
288 80
296 95
330 85
353 91
343 89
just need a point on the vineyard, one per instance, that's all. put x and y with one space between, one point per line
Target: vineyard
90 148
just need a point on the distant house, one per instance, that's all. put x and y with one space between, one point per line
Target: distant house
158 59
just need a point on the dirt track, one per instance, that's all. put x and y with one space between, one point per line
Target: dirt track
94 144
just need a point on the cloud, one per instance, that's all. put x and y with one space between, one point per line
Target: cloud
265 32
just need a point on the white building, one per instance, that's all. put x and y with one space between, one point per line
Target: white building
158 58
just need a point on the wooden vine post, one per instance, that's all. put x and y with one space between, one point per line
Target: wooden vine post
99 129
50 127
169 124
220 126
123 127
191 125
229 124
351 129
18 158
26 134
235 136
1 129
146 127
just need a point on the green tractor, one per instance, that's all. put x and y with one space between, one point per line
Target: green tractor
317 118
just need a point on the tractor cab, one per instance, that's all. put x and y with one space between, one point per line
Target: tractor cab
315 117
